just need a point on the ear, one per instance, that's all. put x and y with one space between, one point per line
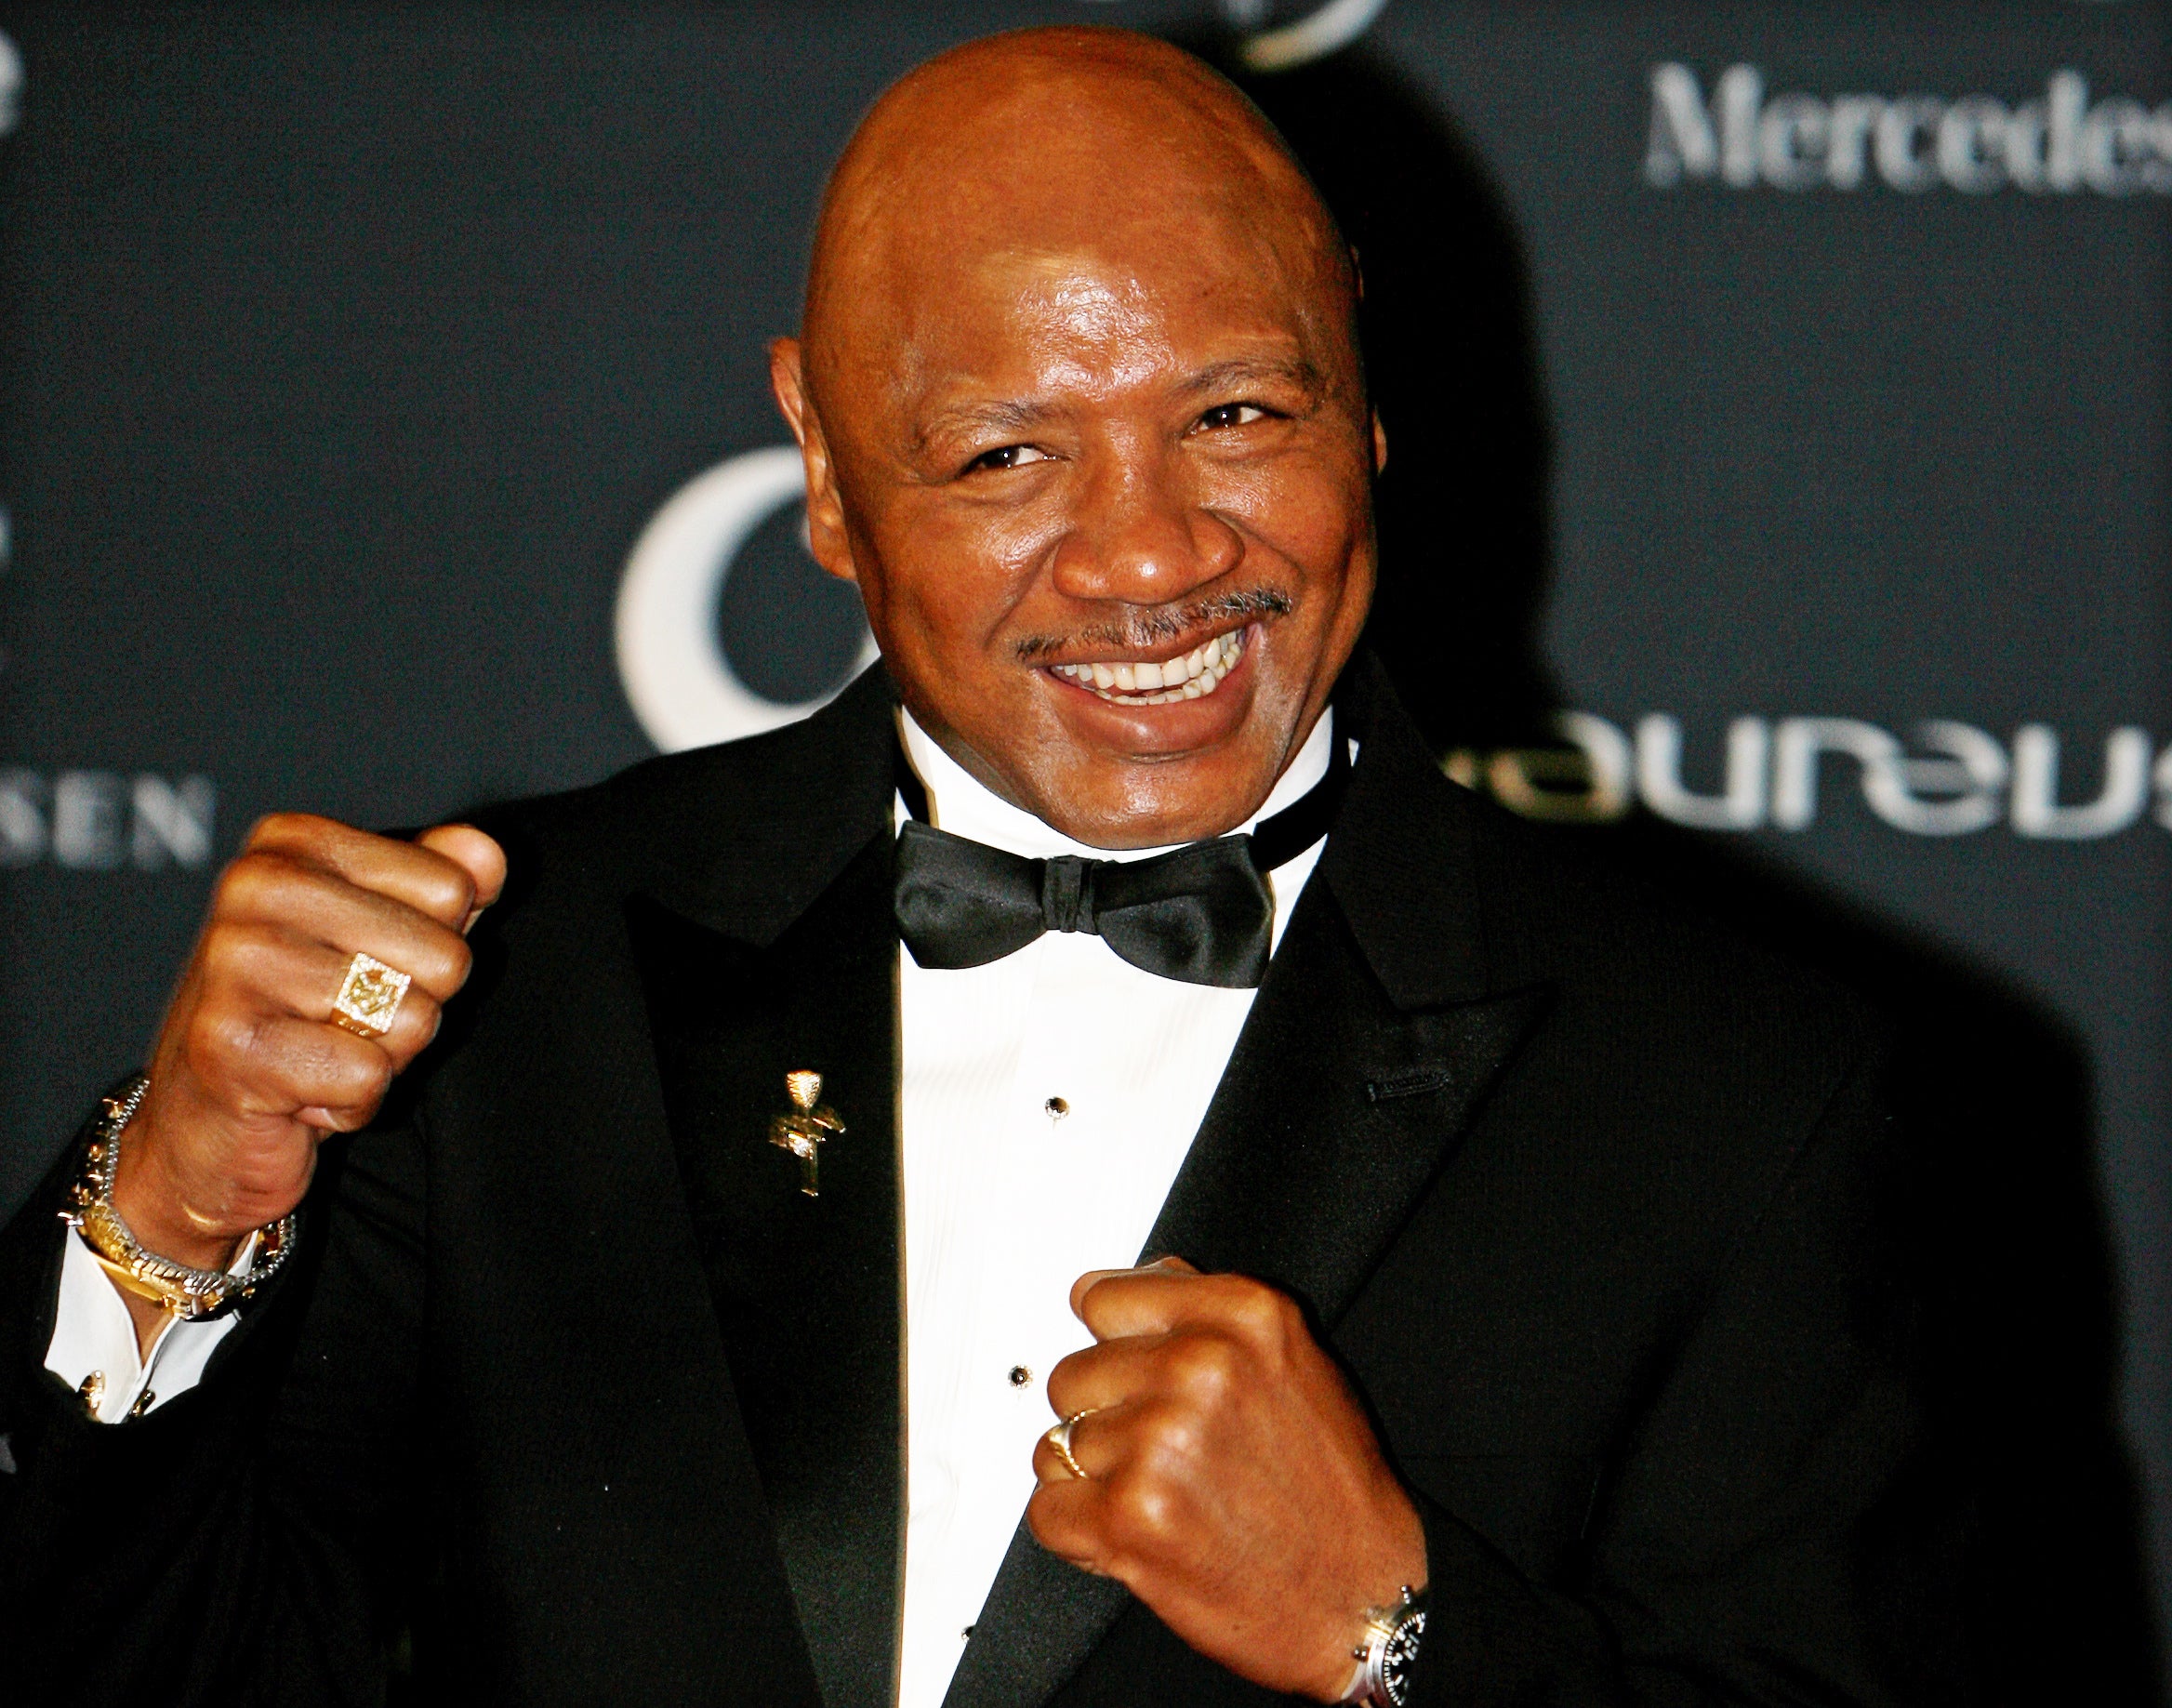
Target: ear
826 534
1379 443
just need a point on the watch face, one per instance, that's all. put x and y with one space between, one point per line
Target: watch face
1397 1654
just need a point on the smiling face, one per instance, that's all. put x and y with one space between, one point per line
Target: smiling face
1083 419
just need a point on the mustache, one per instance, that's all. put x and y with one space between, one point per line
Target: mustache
1156 626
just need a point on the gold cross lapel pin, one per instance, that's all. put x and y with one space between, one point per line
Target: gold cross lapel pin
803 1129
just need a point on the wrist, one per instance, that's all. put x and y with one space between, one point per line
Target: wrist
1385 1658
148 1208
1388 1616
156 1207
192 1290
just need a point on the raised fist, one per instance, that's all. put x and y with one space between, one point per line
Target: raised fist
1218 1465
250 1072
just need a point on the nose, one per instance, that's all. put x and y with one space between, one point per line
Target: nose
1141 536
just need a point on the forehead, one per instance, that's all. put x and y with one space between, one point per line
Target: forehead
1077 224
1099 296
1101 312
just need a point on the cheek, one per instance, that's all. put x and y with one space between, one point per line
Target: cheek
1302 517
952 574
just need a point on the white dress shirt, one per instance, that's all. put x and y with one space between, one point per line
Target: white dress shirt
94 1334
1049 1100
1007 1202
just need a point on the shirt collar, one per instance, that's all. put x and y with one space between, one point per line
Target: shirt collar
961 804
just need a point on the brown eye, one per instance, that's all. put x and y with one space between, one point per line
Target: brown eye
1006 456
1232 415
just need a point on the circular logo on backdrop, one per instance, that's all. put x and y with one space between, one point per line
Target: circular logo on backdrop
11 79
672 659
1318 34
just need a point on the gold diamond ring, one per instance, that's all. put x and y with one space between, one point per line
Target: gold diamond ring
370 995
1059 1437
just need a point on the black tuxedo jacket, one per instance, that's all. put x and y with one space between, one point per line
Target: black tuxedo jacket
573 1397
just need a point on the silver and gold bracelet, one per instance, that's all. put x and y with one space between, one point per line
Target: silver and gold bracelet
191 1294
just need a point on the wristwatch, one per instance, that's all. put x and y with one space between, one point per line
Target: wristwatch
1390 1648
192 1295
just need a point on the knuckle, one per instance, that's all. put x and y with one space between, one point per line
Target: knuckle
220 1034
1205 1366
1061 1379
252 884
1142 1508
420 1016
455 961
373 1078
430 959
303 835
452 889
249 966
1264 1320
355 1079
227 945
1255 1304
237 883
1052 1515
1285 1332
277 828
1177 1435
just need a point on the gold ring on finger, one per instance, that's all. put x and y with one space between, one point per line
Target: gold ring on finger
1059 1437
370 995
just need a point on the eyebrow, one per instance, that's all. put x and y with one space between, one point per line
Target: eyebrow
999 415
1021 416
1240 371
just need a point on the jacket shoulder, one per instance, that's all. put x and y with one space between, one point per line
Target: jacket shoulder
1687 952
740 836
728 782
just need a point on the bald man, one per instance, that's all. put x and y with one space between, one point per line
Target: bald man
1086 1172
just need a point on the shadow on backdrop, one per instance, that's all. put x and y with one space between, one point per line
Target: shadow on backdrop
2014 1241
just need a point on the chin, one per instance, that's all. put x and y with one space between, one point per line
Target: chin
1116 800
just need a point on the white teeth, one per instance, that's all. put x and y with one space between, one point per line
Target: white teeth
1197 673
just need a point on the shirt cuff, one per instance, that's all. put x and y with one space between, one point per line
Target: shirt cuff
93 1334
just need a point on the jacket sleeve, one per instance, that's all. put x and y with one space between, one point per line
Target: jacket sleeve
1774 1531
230 1547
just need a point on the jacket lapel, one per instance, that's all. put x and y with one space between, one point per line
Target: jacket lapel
1367 1054
1370 1051
806 1288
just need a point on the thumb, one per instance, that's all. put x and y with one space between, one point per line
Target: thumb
479 854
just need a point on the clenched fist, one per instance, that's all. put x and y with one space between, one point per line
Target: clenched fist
249 1073
1231 1481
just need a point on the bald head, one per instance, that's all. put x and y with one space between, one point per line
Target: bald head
1081 403
1040 142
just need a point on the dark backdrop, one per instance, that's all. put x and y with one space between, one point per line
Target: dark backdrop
1778 395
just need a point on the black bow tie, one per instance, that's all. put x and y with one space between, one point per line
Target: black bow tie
1201 913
